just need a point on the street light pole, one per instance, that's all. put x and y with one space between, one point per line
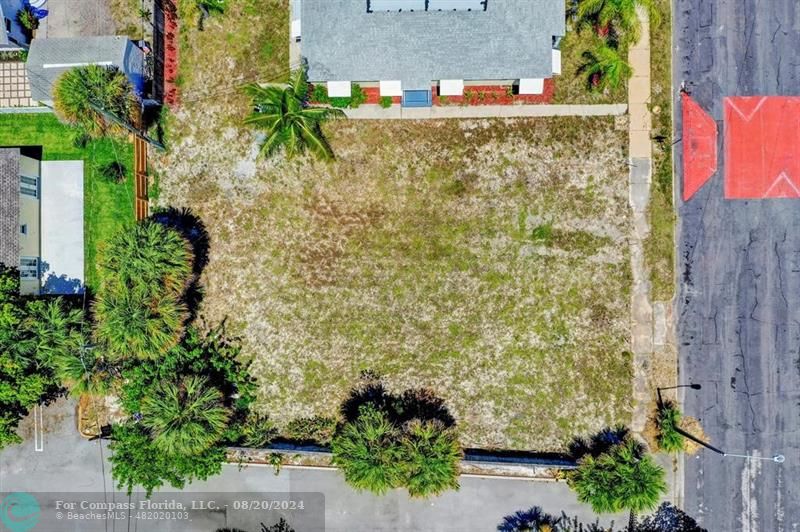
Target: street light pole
778 458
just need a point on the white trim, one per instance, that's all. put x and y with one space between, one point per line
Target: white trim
531 86
556 61
73 65
451 87
391 88
339 89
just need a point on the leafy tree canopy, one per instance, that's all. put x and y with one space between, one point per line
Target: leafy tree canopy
622 478
83 95
283 113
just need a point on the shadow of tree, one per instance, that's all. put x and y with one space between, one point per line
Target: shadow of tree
192 228
414 403
536 519
598 443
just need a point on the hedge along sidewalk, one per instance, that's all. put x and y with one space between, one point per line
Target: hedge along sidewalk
396 112
475 462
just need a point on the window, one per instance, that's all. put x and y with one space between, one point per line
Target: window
29 268
29 186
8 24
23 229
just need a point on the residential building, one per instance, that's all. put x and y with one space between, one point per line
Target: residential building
418 49
41 221
48 59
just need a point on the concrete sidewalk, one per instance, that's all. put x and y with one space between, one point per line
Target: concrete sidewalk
396 112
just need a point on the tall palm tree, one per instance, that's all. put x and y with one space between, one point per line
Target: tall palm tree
185 417
83 95
289 122
620 14
605 68
134 322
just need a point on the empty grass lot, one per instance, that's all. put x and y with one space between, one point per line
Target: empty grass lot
485 259
107 205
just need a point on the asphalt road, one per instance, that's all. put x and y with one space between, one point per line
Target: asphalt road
73 470
738 305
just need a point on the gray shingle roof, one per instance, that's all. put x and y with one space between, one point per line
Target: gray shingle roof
70 51
512 39
9 206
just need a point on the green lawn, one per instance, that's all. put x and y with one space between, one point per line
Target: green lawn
660 245
107 205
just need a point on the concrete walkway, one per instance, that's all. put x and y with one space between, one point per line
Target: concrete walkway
396 112
650 322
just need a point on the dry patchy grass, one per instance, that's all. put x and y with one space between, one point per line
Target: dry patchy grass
485 259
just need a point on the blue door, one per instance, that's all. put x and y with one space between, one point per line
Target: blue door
417 98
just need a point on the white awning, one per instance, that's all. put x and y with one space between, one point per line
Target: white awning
339 89
531 86
451 87
391 88
556 61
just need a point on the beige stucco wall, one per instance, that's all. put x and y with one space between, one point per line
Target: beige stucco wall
30 215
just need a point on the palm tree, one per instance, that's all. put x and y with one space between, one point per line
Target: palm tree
620 14
619 479
185 417
368 453
431 454
668 419
83 95
283 113
605 67
133 322
149 255
50 330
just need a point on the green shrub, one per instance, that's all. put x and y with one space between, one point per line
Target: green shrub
27 19
256 431
431 454
186 416
320 94
619 479
369 452
386 102
114 172
357 97
668 419
317 429
137 461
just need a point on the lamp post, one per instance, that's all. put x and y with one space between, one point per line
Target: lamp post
778 458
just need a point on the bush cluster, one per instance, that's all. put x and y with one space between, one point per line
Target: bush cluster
390 441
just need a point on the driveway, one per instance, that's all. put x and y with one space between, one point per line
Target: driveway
80 470
77 18
739 300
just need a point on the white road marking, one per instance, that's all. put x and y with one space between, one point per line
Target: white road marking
751 470
38 430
